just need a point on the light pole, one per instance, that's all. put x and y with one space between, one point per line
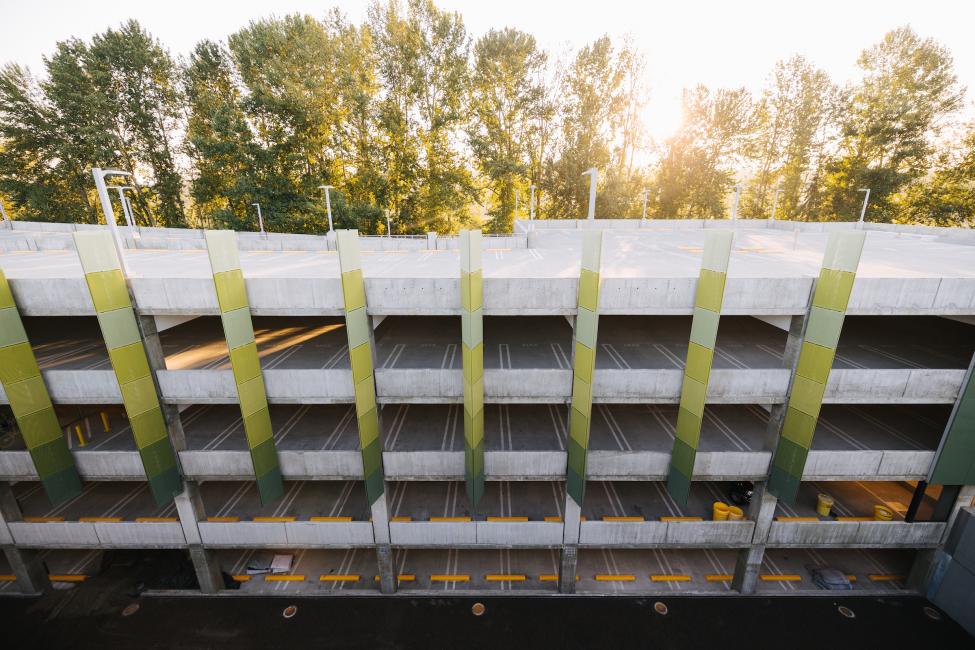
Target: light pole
328 204
389 228
738 191
775 202
260 218
103 198
126 208
592 173
866 198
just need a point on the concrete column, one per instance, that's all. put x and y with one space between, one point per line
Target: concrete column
568 569
793 345
965 499
157 362
928 562
379 510
761 510
207 568
189 507
25 564
387 577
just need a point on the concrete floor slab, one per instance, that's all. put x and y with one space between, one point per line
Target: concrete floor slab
301 500
421 500
525 342
872 569
313 571
853 499
126 500
623 571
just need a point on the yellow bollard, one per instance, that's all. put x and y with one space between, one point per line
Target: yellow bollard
735 513
882 513
105 421
81 437
720 511
824 503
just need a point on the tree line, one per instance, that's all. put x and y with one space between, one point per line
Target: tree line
409 117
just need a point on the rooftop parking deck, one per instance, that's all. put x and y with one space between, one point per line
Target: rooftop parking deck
645 271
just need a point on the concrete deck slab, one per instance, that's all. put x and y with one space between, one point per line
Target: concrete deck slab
423 500
126 500
302 500
852 499
888 567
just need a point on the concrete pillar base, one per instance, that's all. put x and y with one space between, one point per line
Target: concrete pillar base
26 565
567 570
207 569
387 577
747 568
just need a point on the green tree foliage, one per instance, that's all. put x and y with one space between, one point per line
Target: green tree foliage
890 123
422 61
113 103
947 198
600 99
698 166
508 110
793 121
405 115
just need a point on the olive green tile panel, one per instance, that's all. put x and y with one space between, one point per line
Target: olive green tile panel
824 323
359 330
245 362
583 367
31 405
126 351
708 300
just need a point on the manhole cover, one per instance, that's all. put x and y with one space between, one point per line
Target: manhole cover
130 609
477 609
289 611
931 613
846 611
660 608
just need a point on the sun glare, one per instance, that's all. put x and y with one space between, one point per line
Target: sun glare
662 117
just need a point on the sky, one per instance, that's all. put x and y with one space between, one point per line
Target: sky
686 42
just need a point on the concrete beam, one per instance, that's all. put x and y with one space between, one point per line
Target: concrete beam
25 564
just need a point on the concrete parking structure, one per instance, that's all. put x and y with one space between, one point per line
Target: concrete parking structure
876 423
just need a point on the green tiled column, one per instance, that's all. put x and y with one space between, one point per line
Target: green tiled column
473 357
235 312
700 353
360 358
31 404
955 464
823 328
587 321
109 294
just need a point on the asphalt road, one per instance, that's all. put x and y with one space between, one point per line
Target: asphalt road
92 618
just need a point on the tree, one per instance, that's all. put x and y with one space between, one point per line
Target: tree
697 169
597 130
794 119
947 198
422 62
508 105
137 86
890 123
